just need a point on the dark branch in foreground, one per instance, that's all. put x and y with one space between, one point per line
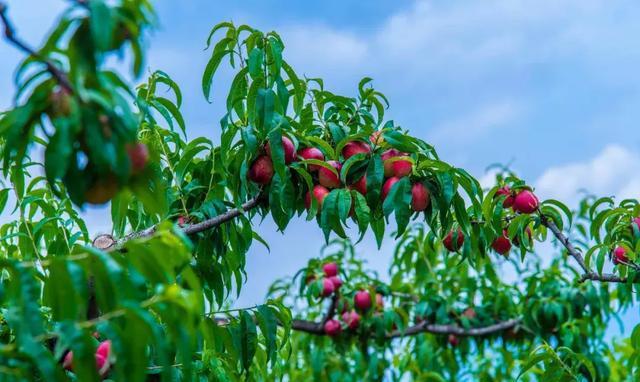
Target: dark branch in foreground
315 328
10 35
588 274
109 243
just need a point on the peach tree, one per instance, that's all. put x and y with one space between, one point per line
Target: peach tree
469 295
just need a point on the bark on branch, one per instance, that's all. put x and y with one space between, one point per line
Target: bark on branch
588 274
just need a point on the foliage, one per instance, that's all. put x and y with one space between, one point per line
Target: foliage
183 215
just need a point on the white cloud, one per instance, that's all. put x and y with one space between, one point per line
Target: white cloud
468 127
613 172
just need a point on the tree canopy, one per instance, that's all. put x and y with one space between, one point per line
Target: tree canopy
471 295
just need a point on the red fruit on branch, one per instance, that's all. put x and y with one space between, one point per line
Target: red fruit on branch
508 201
319 193
103 354
102 190
420 198
311 153
453 340
502 244
355 147
138 156
452 246
401 167
261 170
386 187
332 328
327 288
635 224
470 313
525 202
327 178
620 256
330 269
288 148
379 302
362 300
376 138
337 282
361 185
388 165
516 239
352 319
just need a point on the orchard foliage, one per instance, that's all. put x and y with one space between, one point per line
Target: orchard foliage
151 300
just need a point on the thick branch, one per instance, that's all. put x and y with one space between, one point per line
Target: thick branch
10 35
108 243
454 329
315 328
573 252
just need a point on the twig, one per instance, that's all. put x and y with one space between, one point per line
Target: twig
454 329
588 274
10 35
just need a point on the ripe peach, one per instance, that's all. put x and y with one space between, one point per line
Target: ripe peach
330 269
288 148
420 198
620 256
362 300
450 245
332 328
525 202
352 319
327 288
319 193
386 187
261 170
311 153
327 178
138 156
502 244
355 147
508 201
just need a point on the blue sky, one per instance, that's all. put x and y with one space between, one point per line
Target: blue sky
549 86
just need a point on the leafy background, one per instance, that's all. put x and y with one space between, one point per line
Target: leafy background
551 89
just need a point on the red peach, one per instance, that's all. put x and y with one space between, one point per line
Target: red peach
508 201
386 187
352 319
332 328
420 198
138 156
261 170
288 148
362 300
502 244
525 202
311 153
453 340
450 245
376 138
337 282
327 288
327 178
620 256
330 269
401 168
361 185
355 147
319 193
388 165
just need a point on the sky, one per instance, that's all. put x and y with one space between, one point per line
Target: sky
550 87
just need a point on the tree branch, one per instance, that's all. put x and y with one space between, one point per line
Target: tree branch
454 329
315 328
588 274
10 35
109 243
